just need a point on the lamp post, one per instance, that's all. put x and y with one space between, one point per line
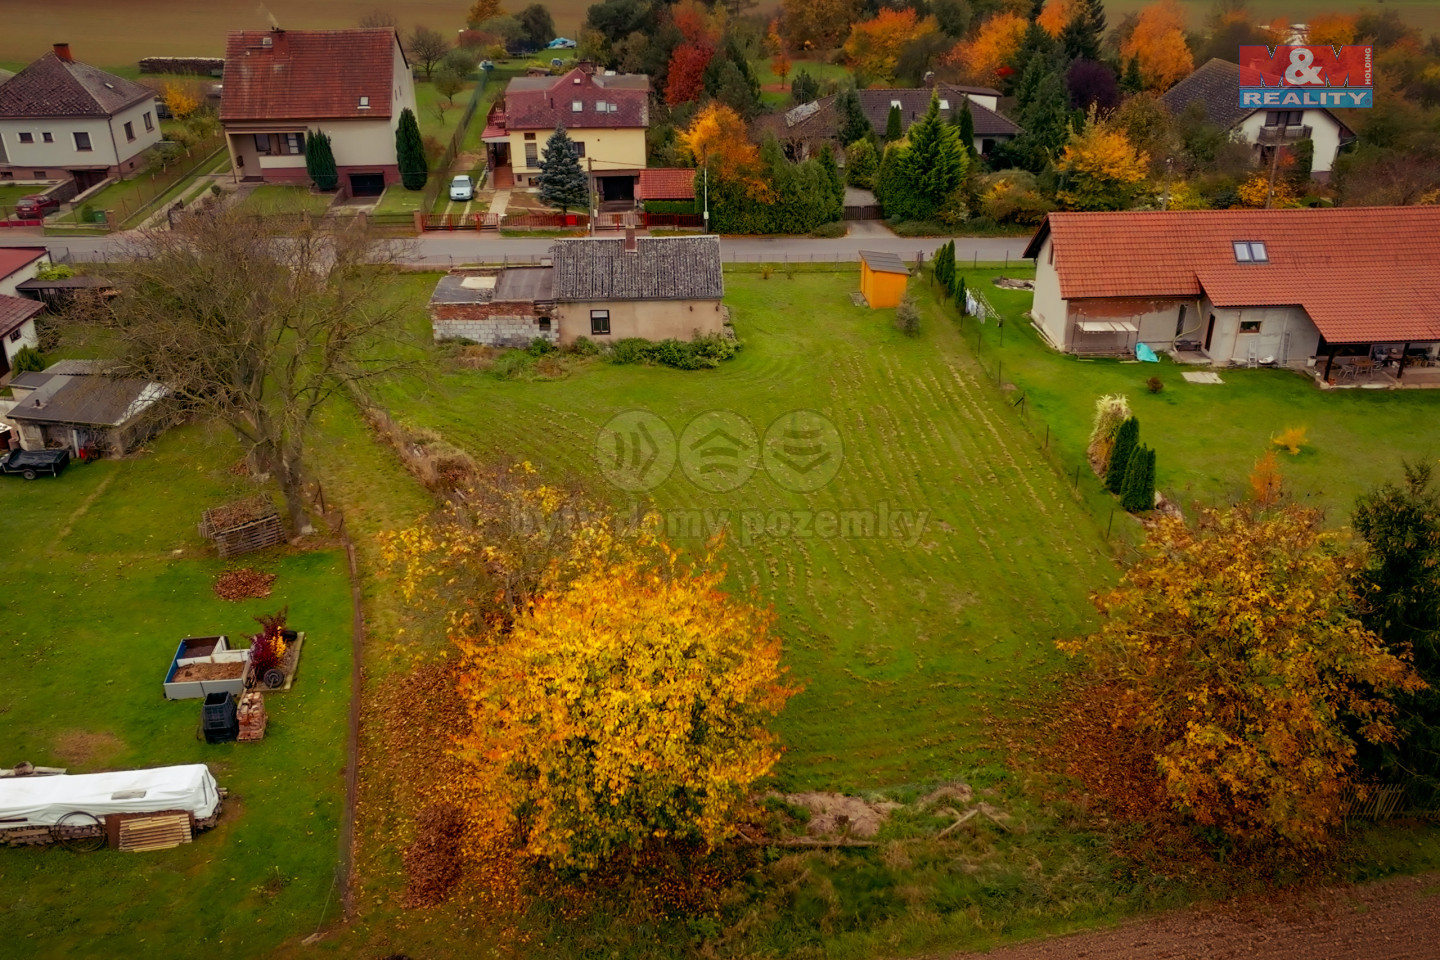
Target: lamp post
707 196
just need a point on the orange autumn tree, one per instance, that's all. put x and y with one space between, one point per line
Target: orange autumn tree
996 41
1158 44
1056 15
717 138
1335 29
874 45
1246 671
1100 168
615 694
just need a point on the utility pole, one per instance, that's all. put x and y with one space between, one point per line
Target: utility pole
590 183
707 196
1274 162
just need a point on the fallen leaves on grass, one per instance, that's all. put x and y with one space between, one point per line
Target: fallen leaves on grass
432 861
245 583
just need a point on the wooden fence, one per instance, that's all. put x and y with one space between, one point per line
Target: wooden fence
1383 801
864 212
439 170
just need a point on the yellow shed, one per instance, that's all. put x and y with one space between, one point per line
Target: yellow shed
883 277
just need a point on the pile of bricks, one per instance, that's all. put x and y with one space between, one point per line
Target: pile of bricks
252 716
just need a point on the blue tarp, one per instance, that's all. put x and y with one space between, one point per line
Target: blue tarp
560 43
1143 352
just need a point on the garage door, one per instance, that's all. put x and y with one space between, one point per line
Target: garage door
367 184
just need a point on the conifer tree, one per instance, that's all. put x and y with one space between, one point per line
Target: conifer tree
1082 35
1132 491
854 126
961 298
935 164
562 183
410 152
893 125
1127 438
320 161
1131 81
965 127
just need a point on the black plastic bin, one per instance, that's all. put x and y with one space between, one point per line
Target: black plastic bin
220 718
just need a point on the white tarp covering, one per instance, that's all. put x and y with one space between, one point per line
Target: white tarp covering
26 801
1107 326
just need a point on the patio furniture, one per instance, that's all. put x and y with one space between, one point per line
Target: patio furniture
1364 366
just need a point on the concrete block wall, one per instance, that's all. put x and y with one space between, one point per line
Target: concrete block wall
491 324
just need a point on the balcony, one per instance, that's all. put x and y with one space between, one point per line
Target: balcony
1271 136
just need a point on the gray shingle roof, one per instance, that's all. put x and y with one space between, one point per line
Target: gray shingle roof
51 87
1215 85
884 262
91 401
661 268
818 120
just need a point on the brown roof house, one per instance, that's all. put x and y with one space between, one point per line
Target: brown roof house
606 114
1257 287
62 119
74 405
656 288
803 129
1213 90
349 84
17 312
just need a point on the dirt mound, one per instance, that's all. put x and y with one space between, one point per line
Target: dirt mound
959 793
245 583
834 814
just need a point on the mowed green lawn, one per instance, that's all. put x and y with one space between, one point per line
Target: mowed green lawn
901 638
104 574
1208 437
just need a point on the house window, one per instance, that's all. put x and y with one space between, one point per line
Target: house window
1249 326
295 144
82 141
364 103
7 175
27 137
544 324
529 136
149 121
895 104
599 323
48 137
576 106
944 104
1284 118
532 155
1051 257
262 144
41 175
1250 251
129 131
14 336
579 148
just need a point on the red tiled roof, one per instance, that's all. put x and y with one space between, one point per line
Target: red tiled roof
51 88
1361 273
15 311
14 258
666 184
544 103
308 74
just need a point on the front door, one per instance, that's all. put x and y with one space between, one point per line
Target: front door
1209 332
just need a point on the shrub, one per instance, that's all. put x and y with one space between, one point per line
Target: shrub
672 206
1127 438
1155 384
56 271
1138 493
1111 411
513 364
584 347
539 347
28 359
1292 439
830 230
697 354
630 350
907 317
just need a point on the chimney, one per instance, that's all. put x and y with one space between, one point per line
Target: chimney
62 51
630 245
929 80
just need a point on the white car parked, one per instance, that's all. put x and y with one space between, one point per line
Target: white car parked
461 188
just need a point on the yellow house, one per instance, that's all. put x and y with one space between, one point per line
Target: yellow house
883 278
605 115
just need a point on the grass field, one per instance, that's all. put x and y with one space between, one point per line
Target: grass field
111 575
271 198
10 193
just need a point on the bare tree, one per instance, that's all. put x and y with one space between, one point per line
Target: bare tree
427 47
254 329
379 18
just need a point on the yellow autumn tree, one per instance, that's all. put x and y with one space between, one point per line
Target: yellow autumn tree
1257 193
1158 44
997 39
1246 671
1056 15
874 45
616 695
1335 29
1100 169
718 138
817 24
180 100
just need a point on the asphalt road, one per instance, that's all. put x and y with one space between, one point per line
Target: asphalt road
450 249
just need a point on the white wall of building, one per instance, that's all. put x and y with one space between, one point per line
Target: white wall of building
1284 332
10 282
108 144
1049 311
19 339
1324 132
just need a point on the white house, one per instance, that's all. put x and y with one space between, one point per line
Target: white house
349 84
1215 87
17 314
60 119
1244 286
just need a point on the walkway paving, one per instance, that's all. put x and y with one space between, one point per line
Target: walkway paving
500 202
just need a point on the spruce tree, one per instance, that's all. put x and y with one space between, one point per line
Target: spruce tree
1082 35
833 180
965 127
1130 81
961 298
410 152
320 161
1127 438
1046 124
1132 489
562 183
936 164
893 128
853 124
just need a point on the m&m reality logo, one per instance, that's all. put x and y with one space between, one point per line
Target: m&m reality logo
1312 75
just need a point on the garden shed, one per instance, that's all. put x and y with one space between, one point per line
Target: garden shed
883 278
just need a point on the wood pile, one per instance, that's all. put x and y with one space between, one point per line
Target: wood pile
139 834
242 526
252 716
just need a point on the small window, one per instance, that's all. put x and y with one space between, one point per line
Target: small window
895 104
82 141
944 104
599 323
544 324
27 137
14 336
529 136
48 137
262 144
149 121
1249 326
532 155
364 103
7 175
39 175
129 131
1180 321
579 148
295 144
1242 252
1250 251
577 105
1051 257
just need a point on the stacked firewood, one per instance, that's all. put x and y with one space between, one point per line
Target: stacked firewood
252 716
